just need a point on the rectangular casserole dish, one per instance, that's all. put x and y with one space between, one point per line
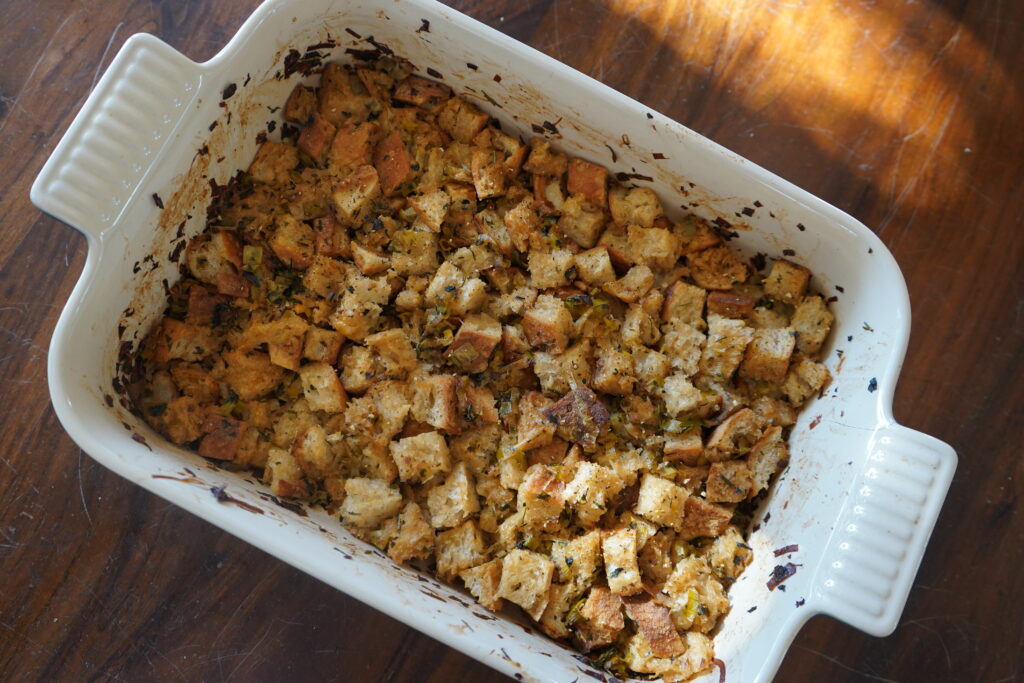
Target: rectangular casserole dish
860 496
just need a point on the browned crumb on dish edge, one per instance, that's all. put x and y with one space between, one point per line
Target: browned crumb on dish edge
490 357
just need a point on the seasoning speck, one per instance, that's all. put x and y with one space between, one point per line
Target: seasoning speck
873 385
801 602
219 494
228 91
424 26
156 200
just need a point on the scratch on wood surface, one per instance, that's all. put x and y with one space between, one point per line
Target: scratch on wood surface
103 57
81 489
30 81
248 654
865 674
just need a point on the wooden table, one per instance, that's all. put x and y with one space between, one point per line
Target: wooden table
908 115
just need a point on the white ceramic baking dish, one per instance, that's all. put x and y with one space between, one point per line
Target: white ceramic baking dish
860 496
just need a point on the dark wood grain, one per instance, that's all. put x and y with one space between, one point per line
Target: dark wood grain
907 115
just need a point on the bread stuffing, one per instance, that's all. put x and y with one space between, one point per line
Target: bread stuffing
491 360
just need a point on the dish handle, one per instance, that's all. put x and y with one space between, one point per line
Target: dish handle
126 121
879 540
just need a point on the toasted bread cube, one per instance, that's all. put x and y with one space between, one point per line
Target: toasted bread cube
639 327
369 262
696 234
393 163
325 276
614 239
589 180
458 549
687 446
652 367
488 173
767 355
476 447
359 369
322 345
315 139
680 395
620 562
420 457
274 163
353 146
525 580
394 351
359 310
653 621
300 105
581 220
534 429
182 341
284 474
556 372
726 343
547 324
614 374
482 582
423 93
293 242
283 337
775 411
735 434
765 458
415 538
445 284
729 555
473 344
311 450
250 375
470 297
461 119
635 206
661 501
812 322
549 194
592 492
717 268
787 281
580 417
550 268
729 481
436 402
602 618
432 208
541 497
703 519
768 317
322 388
578 560
368 502
804 380
543 160
414 252
655 247
683 344
560 603
730 304
523 225
454 501
353 197
391 401
594 266
632 286
684 303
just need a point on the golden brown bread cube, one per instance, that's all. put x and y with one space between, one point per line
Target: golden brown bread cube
473 344
315 139
547 324
787 281
729 481
767 355
717 268
588 179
